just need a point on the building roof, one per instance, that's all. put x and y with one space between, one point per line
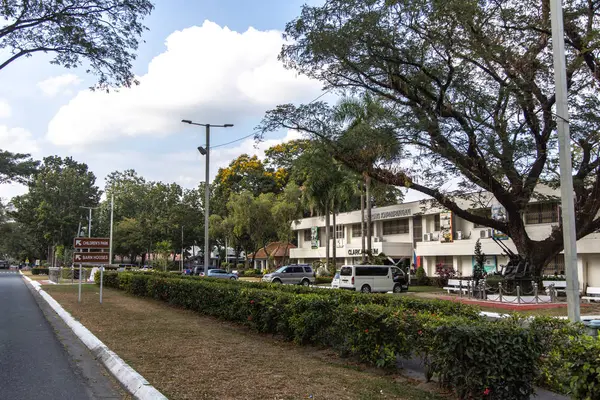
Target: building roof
275 249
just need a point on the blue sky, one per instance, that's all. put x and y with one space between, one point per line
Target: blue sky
208 60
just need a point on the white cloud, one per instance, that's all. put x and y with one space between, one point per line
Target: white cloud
10 190
206 73
17 140
61 84
5 110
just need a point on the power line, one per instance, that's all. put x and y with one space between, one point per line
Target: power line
321 95
233 141
252 134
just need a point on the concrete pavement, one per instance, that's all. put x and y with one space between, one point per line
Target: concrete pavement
34 362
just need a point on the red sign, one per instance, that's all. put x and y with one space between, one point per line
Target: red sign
91 243
90 258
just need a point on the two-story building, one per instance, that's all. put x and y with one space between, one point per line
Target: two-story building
429 236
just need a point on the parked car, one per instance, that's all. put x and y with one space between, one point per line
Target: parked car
4 264
300 274
222 274
373 278
198 270
335 282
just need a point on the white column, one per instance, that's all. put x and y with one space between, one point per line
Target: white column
582 272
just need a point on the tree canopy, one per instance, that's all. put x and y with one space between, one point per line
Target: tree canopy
102 35
16 167
51 209
468 86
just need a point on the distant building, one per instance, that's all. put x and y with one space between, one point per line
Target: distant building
429 236
279 252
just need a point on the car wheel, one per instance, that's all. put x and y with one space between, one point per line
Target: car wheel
365 289
398 288
232 278
306 282
276 281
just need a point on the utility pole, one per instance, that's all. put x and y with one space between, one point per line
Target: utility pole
181 248
206 152
564 154
89 219
110 249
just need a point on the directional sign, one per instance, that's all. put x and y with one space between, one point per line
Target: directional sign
90 258
91 243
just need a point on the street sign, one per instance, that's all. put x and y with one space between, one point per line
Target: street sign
91 243
90 258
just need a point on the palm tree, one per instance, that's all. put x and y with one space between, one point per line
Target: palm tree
368 137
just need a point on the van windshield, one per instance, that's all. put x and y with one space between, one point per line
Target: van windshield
281 269
346 271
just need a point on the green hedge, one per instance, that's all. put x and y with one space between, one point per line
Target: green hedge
441 307
474 357
40 271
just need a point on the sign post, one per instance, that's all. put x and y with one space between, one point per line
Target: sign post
79 299
101 279
91 257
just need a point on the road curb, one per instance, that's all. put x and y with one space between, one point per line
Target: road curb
131 380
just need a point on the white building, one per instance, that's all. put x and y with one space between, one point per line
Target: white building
414 229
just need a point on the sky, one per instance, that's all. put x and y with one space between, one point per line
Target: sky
210 61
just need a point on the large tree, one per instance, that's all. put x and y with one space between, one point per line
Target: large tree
102 35
16 167
470 87
51 210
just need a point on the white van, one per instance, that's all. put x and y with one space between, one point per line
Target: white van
373 278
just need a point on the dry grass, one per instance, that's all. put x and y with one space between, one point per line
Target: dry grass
188 356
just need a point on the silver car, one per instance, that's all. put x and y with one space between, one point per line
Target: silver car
293 275
221 273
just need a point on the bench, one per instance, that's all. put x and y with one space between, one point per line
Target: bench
456 285
592 294
559 286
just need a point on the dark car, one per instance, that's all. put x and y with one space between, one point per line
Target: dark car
4 264
400 277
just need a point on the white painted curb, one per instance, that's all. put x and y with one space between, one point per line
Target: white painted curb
135 384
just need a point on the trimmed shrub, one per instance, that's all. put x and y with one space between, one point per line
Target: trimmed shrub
421 276
40 271
474 357
323 279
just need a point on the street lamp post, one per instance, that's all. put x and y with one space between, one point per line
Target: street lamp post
564 155
206 152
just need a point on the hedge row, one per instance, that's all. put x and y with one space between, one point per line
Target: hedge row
435 306
477 359
40 271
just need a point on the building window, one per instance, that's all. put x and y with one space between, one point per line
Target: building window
417 229
541 213
395 226
356 230
446 261
307 235
556 266
436 223
482 212
339 231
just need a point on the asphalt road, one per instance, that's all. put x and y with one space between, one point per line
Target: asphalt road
34 363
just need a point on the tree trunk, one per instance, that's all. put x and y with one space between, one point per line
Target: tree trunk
334 249
362 222
327 236
369 226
